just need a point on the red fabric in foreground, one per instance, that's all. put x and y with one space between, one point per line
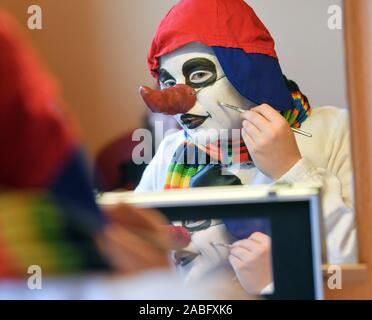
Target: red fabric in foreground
224 23
34 139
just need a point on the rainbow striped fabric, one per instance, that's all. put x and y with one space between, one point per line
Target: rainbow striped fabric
35 230
302 108
186 160
190 159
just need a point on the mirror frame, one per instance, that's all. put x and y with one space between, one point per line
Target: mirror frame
358 47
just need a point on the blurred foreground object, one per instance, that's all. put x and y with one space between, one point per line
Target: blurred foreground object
35 140
48 213
34 231
135 239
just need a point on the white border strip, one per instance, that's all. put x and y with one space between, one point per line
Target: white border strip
315 213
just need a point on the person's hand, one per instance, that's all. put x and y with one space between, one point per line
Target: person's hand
134 239
269 140
251 261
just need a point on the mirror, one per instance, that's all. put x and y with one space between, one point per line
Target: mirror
132 148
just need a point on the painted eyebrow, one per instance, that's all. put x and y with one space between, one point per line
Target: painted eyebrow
198 63
164 75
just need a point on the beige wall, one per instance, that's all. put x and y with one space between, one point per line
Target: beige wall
98 50
68 47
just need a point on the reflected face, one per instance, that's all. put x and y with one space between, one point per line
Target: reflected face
196 66
200 257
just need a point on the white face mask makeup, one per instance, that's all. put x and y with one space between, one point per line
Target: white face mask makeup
196 65
200 258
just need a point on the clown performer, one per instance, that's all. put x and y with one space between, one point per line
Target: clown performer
208 56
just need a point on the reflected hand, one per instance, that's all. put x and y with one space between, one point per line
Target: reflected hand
134 239
251 261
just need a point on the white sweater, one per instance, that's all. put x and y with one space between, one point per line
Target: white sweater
325 160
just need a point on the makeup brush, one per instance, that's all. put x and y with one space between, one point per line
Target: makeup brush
237 109
225 245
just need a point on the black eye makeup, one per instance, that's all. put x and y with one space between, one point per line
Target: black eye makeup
199 72
166 80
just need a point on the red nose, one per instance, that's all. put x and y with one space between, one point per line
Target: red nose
178 99
180 236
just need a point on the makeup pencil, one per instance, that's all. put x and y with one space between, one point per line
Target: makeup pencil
240 110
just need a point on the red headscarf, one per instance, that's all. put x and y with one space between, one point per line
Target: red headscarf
34 138
213 23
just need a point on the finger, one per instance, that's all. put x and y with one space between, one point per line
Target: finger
242 244
248 140
252 131
268 112
238 243
260 237
131 242
118 244
134 218
257 119
121 261
249 245
242 254
235 262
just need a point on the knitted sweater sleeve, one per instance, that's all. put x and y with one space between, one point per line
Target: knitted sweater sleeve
337 195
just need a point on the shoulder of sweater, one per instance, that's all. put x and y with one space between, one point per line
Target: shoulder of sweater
328 118
175 139
330 114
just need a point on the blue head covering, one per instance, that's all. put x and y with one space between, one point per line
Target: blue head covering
257 77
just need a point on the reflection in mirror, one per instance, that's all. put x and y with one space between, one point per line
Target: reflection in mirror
220 146
227 249
241 240
275 94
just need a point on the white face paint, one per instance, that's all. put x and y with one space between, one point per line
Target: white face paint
206 258
196 65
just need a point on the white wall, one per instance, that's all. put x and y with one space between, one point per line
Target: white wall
310 53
